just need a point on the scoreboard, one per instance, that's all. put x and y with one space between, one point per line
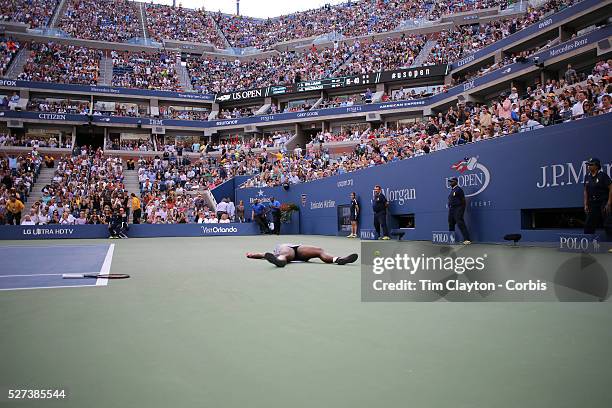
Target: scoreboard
330 83
435 72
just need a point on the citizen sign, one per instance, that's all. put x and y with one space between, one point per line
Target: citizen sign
51 116
466 60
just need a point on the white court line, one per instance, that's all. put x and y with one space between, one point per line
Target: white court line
106 266
40 274
49 287
53 246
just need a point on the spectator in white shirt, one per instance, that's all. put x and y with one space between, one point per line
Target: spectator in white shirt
43 217
577 109
66 219
438 143
221 208
528 124
82 220
27 221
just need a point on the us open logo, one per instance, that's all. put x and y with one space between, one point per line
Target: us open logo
473 178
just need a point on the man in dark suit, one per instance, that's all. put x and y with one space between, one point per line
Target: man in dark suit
379 205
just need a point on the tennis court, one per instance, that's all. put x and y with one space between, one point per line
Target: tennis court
42 266
200 325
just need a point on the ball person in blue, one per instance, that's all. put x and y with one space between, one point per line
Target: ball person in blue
597 199
379 205
258 214
456 209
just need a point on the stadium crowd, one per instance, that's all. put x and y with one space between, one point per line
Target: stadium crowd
210 75
353 18
8 49
541 105
147 71
35 142
452 45
17 177
35 13
85 189
59 106
183 24
54 62
103 20
382 55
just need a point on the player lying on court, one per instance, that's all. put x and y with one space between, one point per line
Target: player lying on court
285 253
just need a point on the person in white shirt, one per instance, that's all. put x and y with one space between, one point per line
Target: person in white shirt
27 221
298 151
212 220
577 108
82 220
221 208
67 218
201 218
224 219
439 143
43 217
162 212
528 124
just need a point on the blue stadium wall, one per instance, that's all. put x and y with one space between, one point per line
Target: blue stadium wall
539 169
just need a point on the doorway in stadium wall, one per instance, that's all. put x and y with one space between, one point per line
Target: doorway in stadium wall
90 136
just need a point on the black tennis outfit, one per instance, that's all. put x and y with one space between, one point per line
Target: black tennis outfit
354 213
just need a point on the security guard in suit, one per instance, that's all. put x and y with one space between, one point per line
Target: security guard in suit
456 209
379 206
597 199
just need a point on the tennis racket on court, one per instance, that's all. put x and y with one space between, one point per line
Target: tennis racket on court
95 276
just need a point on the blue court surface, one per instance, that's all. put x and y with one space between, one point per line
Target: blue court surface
37 267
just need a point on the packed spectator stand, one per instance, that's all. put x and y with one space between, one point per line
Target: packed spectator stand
102 20
142 70
35 13
541 106
55 62
8 49
183 24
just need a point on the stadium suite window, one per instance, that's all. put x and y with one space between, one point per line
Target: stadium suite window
405 220
552 218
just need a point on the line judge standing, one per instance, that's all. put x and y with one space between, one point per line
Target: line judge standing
597 199
379 205
456 209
